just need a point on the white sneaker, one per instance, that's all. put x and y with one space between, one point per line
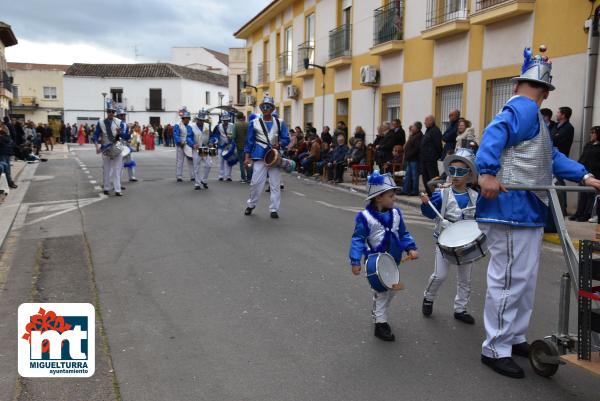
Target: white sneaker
593 219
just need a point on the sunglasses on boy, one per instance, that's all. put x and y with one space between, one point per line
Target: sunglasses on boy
458 171
265 107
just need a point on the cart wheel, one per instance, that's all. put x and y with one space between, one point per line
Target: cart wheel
543 356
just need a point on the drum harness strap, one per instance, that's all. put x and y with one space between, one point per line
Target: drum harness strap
264 128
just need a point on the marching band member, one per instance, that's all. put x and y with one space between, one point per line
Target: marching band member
452 203
264 133
201 137
222 138
380 228
107 134
516 148
183 134
128 162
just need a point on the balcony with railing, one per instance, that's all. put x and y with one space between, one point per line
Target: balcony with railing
155 104
340 46
490 11
25 102
388 29
284 71
306 50
446 18
241 99
263 75
6 84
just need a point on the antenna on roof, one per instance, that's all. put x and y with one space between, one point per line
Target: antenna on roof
136 52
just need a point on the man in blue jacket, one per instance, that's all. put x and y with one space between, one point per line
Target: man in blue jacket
183 135
264 133
516 148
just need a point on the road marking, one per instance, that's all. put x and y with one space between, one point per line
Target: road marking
93 182
59 207
346 208
12 205
298 193
90 176
97 188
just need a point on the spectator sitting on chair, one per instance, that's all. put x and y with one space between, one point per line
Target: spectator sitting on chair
359 133
325 158
338 160
396 160
357 154
326 136
466 134
313 157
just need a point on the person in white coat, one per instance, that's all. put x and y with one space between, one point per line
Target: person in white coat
201 130
183 135
107 141
222 136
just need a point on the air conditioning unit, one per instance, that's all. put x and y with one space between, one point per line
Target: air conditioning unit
369 75
292 92
251 100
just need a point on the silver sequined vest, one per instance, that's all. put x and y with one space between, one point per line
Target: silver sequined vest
529 162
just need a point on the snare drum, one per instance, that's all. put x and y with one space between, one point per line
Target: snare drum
229 154
126 151
203 151
382 271
462 242
188 151
212 151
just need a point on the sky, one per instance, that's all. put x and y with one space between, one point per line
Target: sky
126 31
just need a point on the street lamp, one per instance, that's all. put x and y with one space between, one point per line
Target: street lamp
221 94
323 69
104 104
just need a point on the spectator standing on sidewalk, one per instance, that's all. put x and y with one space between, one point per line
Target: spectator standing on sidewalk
399 134
562 138
412 152
547 114
6 151
240 131
431 151
590 158
326 136
451 133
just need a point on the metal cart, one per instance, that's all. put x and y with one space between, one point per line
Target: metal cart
583 349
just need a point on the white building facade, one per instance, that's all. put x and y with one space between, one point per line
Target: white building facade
201 58
151 93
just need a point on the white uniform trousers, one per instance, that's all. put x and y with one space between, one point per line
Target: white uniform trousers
259 176
130 170
111 171
463 281
511 280
179 163
224 168
199 163
381 302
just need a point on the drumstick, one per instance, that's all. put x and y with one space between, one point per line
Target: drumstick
406 259
435 210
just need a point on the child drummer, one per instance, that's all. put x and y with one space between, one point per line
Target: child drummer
456 202
380 228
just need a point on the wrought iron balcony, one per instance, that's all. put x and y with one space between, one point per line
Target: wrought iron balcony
340 41
443 11
25 102
155 104
491 11
285 65
305 50
263 73
387 22
483 4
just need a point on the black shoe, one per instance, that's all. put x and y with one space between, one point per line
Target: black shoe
133 180
504 366
427 307
383 331
248 211
205 185
220 179
521 349
464 317
574 217
179 180
122 188
12 185
268 189
281 187
229 179
197 187
192 179
583 219
274 215
118 194
106 192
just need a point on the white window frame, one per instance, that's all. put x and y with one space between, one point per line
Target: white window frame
47 93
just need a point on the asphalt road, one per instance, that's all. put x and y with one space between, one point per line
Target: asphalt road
200 302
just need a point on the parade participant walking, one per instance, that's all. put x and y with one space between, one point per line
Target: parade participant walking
265 133
201 130
454 203
107 141
222 139
380 228
128 163
183 135
516 148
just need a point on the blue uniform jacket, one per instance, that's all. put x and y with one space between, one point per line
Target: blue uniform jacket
189 138
517 122
125 135
257 152
462 198
395 245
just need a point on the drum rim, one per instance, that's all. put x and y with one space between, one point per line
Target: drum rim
376 273
469 221
277 156
479 240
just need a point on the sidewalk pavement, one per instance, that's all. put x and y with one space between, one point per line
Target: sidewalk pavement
577 230
22 173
